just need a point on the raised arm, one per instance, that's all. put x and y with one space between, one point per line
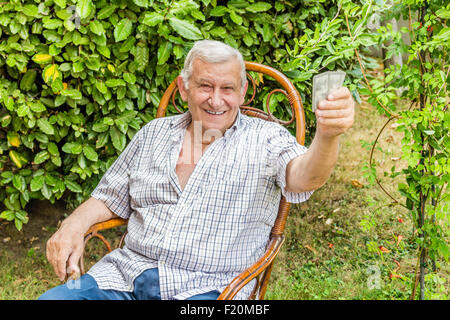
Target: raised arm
65 247
310 171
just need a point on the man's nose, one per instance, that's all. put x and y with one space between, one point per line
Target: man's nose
215 99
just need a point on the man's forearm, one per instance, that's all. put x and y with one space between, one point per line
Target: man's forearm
88 213
311 170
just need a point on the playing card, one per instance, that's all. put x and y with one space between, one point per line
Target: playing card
335 80
320 89
325 82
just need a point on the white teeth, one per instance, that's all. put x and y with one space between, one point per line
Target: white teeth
212 112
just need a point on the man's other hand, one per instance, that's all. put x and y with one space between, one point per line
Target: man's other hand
335 115
65 248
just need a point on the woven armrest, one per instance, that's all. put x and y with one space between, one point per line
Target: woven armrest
94 232
263 264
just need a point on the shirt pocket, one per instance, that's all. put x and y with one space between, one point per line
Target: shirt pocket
149 189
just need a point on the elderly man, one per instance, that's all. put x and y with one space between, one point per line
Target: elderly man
200 190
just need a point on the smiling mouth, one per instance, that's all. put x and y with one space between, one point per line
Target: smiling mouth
215 113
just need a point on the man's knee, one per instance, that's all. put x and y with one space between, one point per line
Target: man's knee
84 288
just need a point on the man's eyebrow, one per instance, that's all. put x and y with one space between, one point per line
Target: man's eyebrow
209 81
228 84
204 80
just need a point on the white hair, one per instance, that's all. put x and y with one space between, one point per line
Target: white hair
212 51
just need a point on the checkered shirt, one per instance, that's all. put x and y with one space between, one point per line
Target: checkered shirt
203 236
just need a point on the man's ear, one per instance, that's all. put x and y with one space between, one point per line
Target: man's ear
181 88
244 91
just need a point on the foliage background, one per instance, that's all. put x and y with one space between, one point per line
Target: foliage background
78 78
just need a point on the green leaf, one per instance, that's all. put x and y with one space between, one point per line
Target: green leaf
17 158
19 182
72 147
13 139
236 18
28 80
51 74
46 192
219 32
101 86
128 44
443 34
100 126
78 66
84 8
23 110
93 62
61 3
18 224
45 126
152 19
141 56
37 106
107 11
259 7
72 93
141 3
104 51
90 153
114 83
52 24
96 27
30 10
118 139
37 183
56 160
164 52
123 29
218 11
443 13
22 216
73 186
185 29
102 140
41 157
53 149
8 215
129 77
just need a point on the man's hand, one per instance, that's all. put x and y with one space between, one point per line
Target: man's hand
310 171
65 248
335 115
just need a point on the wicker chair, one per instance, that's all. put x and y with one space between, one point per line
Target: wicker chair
262 268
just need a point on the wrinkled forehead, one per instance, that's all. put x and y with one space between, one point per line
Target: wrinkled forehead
225 71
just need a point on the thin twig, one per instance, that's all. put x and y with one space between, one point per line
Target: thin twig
445 82
363 72
371 158
326 29
416 276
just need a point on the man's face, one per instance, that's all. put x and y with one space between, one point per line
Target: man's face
214 93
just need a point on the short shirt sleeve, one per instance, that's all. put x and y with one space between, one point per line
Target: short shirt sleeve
282 147
113 188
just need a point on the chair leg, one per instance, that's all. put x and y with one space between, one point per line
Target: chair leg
265 282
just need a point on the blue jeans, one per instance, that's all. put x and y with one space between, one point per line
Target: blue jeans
146 287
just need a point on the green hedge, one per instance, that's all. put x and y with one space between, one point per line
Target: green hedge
79 78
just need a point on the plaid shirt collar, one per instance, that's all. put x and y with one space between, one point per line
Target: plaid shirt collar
181 122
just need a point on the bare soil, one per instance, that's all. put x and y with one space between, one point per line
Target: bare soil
44 218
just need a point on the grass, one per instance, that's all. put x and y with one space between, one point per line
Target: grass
332 250
332 240
26 278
